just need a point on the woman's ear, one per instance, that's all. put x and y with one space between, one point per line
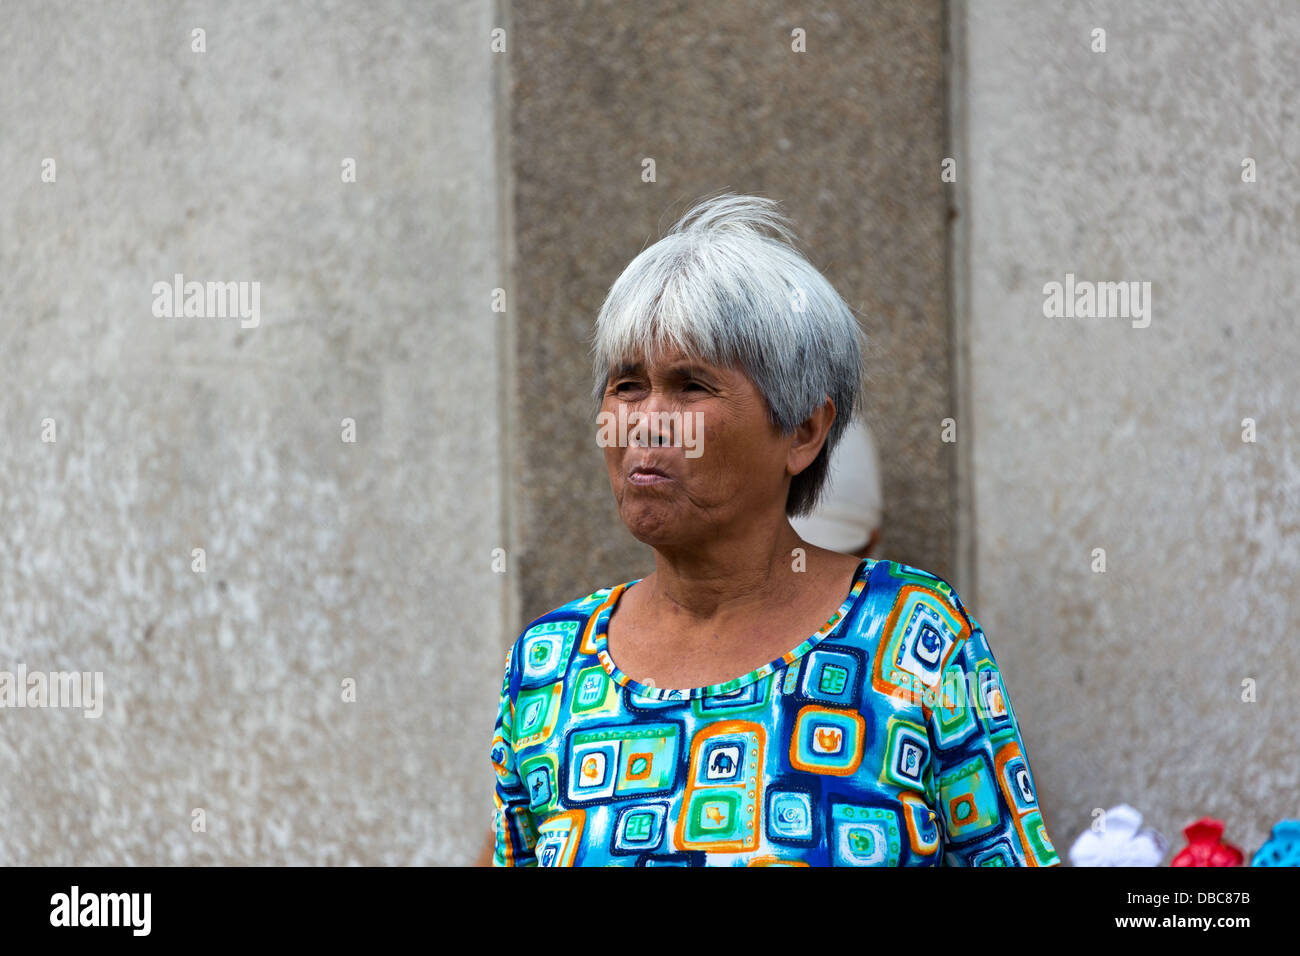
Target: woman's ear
809 437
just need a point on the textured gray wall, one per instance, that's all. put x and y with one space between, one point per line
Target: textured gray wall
1090 433
847 135
372 561
325 560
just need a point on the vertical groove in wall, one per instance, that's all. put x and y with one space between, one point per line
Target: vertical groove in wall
581 213
505 185
965 569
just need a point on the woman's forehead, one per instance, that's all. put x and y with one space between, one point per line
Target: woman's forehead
665 357
677 365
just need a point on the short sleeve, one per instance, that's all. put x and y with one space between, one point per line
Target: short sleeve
979 779
516 833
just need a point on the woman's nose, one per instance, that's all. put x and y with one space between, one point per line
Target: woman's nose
656 418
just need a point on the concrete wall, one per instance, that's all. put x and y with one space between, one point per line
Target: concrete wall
1090 433
371 560
325 560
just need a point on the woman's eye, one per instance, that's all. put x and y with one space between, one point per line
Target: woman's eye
621 386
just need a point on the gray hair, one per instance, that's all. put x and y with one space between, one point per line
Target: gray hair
718 288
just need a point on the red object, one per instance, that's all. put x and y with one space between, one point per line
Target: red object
1205 846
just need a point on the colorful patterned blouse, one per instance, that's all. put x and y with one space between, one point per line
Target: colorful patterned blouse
840 753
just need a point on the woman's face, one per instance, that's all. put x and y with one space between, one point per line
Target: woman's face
736 471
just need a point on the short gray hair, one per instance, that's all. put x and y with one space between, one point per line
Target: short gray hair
719 288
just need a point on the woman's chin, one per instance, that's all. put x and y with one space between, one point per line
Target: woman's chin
653 525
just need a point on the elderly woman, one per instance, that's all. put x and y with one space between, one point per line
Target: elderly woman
755 700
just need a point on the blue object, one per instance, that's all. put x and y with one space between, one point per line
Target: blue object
1282 848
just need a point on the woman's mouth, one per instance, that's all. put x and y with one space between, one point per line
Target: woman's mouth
647 476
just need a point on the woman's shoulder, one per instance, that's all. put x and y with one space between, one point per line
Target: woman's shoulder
577 610
547 642
910 612
901 582
908 629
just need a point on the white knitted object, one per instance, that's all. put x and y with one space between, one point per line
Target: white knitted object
1124 842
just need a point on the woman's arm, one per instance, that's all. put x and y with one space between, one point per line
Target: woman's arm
514 834
980 782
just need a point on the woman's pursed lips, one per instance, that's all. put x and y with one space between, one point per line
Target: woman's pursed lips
646 474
